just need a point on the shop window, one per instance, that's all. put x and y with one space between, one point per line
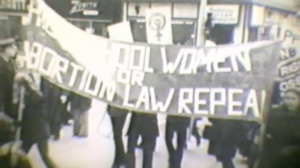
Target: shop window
98 26
222 34
81 24
253 34
15 26
4 27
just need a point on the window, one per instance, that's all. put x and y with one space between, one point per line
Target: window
4 27
253 34
99 27
80 23
222 34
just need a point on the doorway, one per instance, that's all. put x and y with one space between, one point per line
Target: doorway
222 34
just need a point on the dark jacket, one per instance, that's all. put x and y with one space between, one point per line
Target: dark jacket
283 133
7 129
178 123
53 103
116 111
7 73
143 124
35 125
223 138
79 102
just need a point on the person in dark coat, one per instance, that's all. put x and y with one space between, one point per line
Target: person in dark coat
54 106
79 109
282 146
7 73
35 126
118 118
144 125
223 138
178 125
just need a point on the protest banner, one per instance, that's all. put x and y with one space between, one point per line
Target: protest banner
230 81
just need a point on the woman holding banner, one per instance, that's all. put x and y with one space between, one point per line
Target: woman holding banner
144 125
7 72
35 126
282 147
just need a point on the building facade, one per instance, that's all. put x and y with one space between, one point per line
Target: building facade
234 21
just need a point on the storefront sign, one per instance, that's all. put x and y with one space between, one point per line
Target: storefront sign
14 6
224 14
87 8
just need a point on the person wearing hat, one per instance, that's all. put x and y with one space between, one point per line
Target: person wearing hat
7 72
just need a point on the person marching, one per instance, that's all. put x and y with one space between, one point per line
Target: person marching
178 125
8 54
282 145
144 125
35 126
118 118
80 106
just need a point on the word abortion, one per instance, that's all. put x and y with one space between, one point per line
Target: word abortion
202 101
48 63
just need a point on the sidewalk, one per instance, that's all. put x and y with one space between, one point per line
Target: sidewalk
98 150
72 152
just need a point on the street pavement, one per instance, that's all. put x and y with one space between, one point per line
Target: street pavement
98 151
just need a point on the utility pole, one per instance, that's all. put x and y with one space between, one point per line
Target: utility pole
200 41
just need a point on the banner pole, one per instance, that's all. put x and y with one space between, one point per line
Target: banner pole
20 111
200 42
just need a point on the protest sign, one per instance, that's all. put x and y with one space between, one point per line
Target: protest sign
288 66
159 26
230 81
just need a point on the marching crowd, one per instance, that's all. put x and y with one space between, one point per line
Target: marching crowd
39 116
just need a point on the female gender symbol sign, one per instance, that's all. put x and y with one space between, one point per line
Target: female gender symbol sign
157 22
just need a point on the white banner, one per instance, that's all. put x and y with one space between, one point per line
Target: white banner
159 26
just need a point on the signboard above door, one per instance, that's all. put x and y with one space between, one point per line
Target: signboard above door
13 7
224 14
83 9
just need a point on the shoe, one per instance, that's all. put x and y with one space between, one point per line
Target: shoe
198 142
